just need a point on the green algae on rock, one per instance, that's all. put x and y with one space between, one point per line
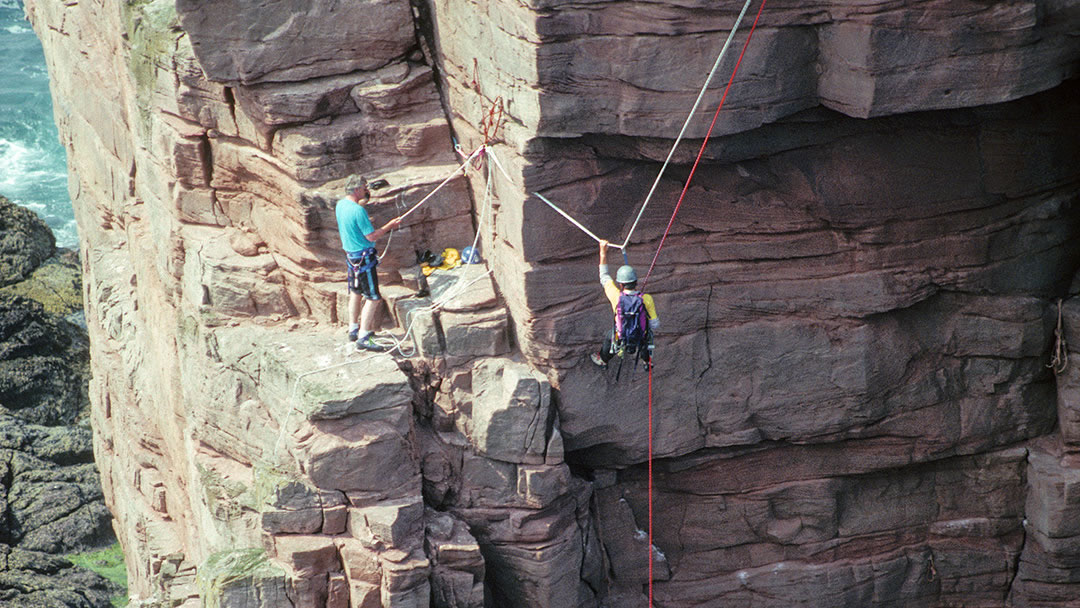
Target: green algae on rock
56 284
241 577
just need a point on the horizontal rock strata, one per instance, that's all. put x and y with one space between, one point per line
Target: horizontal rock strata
852 404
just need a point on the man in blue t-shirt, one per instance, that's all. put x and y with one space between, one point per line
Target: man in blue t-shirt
358 238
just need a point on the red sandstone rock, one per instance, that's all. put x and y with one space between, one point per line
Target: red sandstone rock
855 313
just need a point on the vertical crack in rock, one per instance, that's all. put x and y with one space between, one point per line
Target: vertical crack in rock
7 533
424 28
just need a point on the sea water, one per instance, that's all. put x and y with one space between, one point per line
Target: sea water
33 164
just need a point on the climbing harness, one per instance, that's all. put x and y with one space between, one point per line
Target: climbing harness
359 268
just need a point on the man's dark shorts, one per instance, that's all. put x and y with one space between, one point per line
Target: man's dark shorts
361 275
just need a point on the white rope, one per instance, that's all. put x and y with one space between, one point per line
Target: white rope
697 102
453 290
567 216
390 237
444 182
491 154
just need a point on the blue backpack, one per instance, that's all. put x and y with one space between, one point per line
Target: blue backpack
631 323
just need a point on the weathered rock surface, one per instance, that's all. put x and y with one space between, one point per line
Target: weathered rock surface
33 579
51 501
25 242
851 403
43 364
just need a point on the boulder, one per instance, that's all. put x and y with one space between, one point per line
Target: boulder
395 524
43 363
510 411
356 456
25 242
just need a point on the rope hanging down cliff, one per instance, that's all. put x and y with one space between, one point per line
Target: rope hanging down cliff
671 222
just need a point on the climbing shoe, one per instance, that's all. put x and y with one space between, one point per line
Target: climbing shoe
368 343
595 357
353 334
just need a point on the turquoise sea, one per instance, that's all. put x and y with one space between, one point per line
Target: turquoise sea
33 164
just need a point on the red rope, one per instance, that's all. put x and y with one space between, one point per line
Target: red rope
671 222
701 152
650 488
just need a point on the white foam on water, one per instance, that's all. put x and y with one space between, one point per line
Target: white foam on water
67 235
33 171
23 166
14 157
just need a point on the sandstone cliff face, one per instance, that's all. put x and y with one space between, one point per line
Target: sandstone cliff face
858 301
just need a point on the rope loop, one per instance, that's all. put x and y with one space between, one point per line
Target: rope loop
492 121
1060 359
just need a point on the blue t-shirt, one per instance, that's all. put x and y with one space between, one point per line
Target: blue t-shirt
353 223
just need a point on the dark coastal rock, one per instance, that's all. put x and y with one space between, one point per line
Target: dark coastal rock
54 497
56 284
25 242
43 363
51 502
32 579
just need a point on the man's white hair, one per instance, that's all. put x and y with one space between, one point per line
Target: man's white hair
355 181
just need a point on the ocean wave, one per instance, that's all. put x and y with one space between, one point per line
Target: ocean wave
16 4
17 29
14 156
67 234
20 158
